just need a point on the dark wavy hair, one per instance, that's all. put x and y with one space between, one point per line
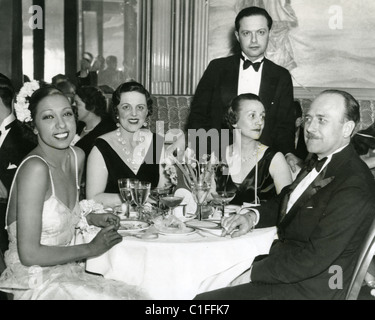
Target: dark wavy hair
233 114
253 11
364 140
94 100
46 90
7 92
131 86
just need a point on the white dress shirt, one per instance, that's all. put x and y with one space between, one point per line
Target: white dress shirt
249 80
4 132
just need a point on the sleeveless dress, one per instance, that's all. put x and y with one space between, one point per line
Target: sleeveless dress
61 282
245 192
117 168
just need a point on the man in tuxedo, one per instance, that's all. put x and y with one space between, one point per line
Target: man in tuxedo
248 72
322 218
13 147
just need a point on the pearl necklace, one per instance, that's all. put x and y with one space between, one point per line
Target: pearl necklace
130 158
253 155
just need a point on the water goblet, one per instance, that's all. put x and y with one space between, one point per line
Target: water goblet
172 202
200 192
125 186
140 194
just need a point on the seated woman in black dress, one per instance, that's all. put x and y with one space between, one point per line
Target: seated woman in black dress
256 172
131 151
93 117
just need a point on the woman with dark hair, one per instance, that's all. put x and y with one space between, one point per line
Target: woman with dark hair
256 172
94 120
43 213
131 151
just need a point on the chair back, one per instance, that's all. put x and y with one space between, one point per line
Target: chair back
366 255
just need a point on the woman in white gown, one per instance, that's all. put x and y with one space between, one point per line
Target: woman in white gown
43 213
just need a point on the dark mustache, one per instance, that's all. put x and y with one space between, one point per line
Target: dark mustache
311 136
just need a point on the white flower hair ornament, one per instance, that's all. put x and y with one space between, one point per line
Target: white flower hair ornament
22 103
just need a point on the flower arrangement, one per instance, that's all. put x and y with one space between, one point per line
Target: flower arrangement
194 172
21 105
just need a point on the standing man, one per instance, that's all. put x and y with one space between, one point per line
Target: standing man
13 147
248 72
322 218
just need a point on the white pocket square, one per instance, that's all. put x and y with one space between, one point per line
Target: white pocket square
11 166
310 208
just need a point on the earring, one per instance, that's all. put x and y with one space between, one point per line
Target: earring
36 132
118 124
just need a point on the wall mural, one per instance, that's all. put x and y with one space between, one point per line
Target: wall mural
323 43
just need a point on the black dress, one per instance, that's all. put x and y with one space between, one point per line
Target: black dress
87 142
117 168
245 192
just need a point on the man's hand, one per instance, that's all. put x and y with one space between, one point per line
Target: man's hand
293 162
103 220
238 224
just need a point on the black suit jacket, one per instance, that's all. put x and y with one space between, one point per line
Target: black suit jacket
219 85
14 148
324 229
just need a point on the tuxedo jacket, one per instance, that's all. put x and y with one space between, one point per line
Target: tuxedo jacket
219 85
14 148
321 235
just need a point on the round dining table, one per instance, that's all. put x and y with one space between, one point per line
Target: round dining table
178 267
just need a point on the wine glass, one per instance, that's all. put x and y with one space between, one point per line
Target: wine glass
223 193
200 192
159 192
223 197
125 187
140 193
172 202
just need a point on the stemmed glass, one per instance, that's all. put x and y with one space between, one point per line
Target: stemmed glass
159 192
140 194
172 202
125 187
222 194
200 192
223 197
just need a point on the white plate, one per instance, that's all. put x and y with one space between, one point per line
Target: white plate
209 225
174 232
133 226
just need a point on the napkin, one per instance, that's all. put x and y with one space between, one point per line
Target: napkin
191 205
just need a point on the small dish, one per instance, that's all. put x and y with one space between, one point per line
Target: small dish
133 226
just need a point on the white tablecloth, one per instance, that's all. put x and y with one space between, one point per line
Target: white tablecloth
180 267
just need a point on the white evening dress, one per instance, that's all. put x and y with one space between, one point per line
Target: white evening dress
61 282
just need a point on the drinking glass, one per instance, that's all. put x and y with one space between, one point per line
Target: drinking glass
159 192
140 194
125 187
172 202
223 197
200 192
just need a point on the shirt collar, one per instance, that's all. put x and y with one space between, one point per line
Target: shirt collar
257 60
8 120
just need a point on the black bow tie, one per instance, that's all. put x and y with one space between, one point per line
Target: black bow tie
317 164
247 63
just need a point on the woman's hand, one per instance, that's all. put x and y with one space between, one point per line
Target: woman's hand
104 240
103 220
